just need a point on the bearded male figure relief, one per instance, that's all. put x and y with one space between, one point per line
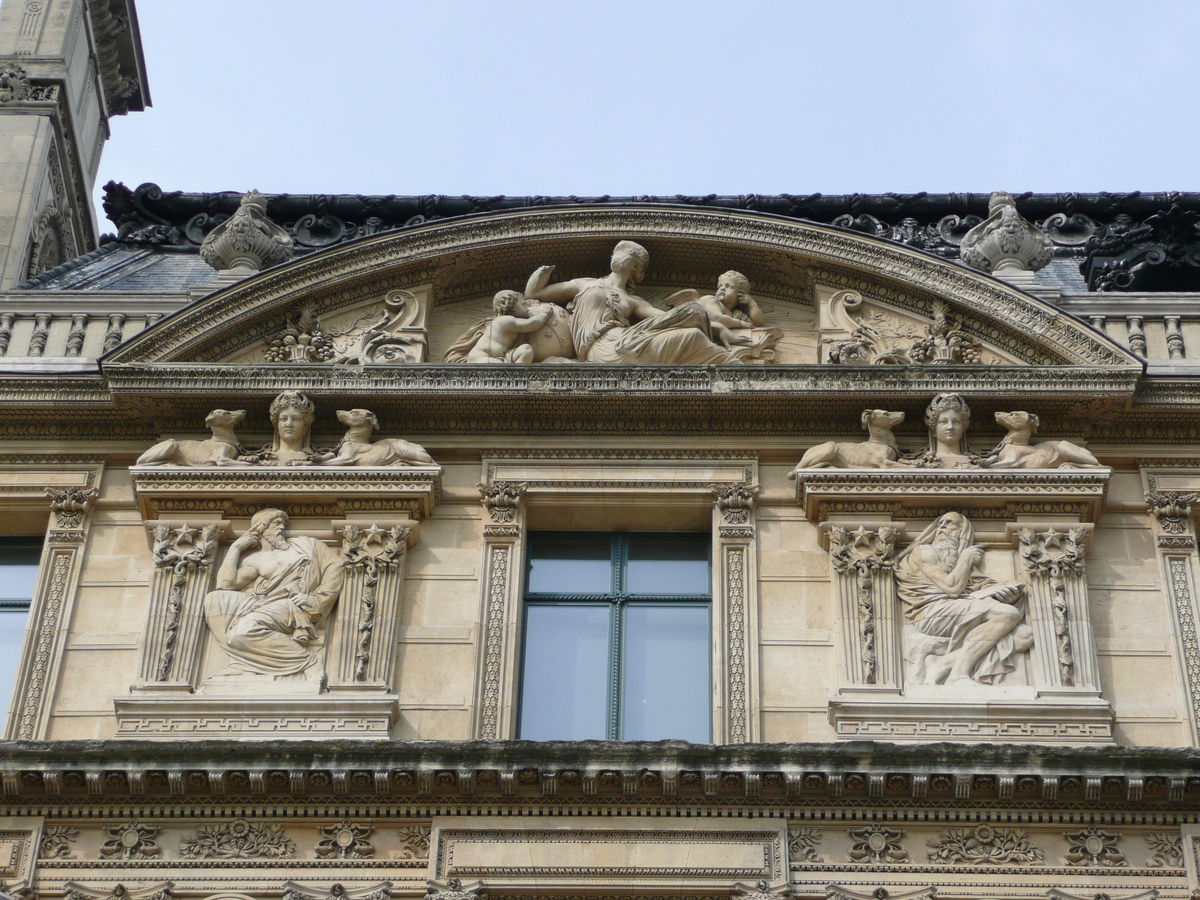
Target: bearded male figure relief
964 626
273 600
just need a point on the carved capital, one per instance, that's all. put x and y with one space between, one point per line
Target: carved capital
1172 509
70 505
735 501
455 889
295 891
374 547
502 499
1052 553
862 550
185 548
14 83
761 890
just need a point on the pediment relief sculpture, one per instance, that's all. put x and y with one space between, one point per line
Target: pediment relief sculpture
273 599
603 320
963 626
947 418
292 415
875 336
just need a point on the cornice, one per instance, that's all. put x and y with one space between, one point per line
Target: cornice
377 261
854 772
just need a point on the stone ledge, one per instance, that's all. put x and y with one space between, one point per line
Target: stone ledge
255 718
1086 719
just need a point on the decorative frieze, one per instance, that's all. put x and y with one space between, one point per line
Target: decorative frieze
131 840
239 839
379 891
345 840
877 844
984 845
1093 847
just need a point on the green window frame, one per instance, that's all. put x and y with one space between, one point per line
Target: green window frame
656 654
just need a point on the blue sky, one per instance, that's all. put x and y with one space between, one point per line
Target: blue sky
391 96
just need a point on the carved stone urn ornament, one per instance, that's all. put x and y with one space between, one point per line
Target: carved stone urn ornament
247 241
1005 243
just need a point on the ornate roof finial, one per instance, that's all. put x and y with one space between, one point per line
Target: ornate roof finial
247 241
1004 243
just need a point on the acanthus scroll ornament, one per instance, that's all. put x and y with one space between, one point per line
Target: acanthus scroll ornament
1092 847
878 340
345 840
985 844
1168 850
877 844
862 553
802 845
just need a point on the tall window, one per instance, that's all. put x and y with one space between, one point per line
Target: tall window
617 637
18 575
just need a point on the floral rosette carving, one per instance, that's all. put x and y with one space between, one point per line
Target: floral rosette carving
984 845
237 840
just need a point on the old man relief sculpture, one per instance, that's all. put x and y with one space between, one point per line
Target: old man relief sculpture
964 626
273 599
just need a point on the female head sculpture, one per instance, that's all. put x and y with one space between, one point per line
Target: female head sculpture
947 417
292 414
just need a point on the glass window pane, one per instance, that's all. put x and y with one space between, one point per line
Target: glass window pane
570 564
667 683
564 683
12 633
668 564
18 568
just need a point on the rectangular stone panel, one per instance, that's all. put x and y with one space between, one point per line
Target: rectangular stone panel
638 851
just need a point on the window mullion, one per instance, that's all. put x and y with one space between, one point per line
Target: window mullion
616 675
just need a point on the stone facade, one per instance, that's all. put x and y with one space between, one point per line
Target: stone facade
274 651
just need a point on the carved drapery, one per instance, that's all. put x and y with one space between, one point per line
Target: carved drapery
727 486
54 597
183 574
866 591
375 559
1064 646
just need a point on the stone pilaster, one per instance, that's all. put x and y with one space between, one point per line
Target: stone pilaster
502 531
1064 646
866 594
369 609
1176 541
183 574
53 599
735 608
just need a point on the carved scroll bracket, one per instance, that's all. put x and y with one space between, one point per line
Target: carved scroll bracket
1052 556
375 556
861 560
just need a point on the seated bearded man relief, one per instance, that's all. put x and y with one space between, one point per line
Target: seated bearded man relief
964 626
272 603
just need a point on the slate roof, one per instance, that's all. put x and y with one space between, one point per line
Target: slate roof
1102 241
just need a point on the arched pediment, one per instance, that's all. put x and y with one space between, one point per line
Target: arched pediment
460 263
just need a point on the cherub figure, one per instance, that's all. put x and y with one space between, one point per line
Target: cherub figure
733 306
734 309
498 342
